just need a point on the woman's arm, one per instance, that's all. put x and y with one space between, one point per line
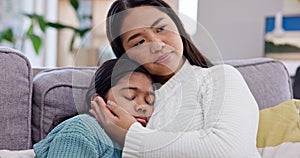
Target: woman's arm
230 128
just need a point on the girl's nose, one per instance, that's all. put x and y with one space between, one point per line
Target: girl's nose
141 108
156 47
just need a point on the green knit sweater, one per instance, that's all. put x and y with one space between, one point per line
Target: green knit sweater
80 137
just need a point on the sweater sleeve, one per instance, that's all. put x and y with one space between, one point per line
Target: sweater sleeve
80 136
72 145
229 130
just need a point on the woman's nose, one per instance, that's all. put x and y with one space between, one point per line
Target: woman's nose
156 47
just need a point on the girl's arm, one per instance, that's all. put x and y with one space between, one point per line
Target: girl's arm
80 136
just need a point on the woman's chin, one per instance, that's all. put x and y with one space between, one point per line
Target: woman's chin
160 69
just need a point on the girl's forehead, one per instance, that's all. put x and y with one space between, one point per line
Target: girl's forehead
141 17
134 77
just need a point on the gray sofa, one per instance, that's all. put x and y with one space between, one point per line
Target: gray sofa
32 99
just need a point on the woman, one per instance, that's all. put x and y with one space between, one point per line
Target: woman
200 111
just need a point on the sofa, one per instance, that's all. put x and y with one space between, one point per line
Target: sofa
31 99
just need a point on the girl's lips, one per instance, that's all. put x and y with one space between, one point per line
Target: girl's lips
142 120
163 58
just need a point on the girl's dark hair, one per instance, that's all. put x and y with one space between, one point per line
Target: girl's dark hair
115 20
108 75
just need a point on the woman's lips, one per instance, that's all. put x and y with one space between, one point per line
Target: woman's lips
142 120
163 58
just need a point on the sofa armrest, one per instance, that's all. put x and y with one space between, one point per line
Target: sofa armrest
15 100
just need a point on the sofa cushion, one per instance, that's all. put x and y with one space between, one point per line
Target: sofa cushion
58 93
268 80
279 130
15 100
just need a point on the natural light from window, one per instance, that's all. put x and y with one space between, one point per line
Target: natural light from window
188 10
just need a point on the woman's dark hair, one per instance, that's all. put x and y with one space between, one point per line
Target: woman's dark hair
115 20
108 75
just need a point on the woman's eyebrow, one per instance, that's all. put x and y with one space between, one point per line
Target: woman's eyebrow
133 37
156 22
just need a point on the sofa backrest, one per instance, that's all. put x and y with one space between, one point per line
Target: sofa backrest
15 100
268 80
34 104
58 93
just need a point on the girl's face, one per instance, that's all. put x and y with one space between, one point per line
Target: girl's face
151 38
134 93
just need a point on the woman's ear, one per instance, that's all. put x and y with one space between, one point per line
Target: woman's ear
94 96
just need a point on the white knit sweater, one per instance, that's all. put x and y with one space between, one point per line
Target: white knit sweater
199 112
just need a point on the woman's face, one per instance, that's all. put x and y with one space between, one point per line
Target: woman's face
151 38
134 93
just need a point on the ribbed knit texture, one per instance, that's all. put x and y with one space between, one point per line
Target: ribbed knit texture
78 137
199 112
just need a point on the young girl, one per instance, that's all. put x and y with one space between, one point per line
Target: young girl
121 81
200 111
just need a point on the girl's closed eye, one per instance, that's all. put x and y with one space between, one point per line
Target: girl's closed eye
139 42
150 99
149 102
129 98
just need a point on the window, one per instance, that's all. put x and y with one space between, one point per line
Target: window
55 46
188 10
12 17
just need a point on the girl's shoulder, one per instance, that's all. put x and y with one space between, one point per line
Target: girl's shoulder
80 119
78 123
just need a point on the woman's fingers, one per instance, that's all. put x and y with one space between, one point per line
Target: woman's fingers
113 118
117 110
102 113
99 110
96 112
124 119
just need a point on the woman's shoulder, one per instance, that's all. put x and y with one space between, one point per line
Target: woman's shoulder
217 73
214 67
225 68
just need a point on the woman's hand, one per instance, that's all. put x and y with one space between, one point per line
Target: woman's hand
112 118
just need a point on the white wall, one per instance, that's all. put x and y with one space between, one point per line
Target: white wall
237 26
